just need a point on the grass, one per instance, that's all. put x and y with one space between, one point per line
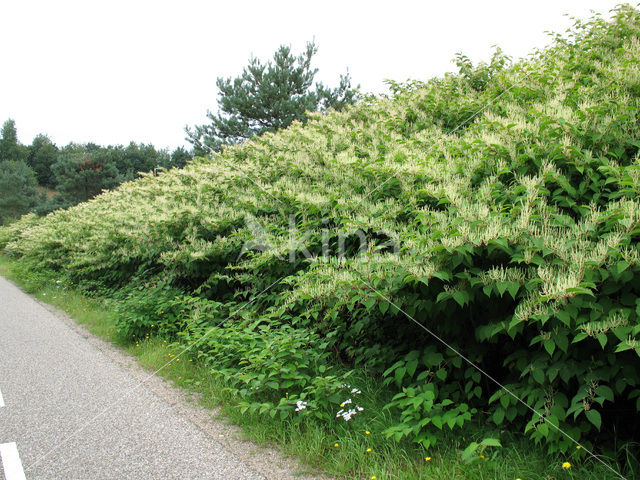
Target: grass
346 450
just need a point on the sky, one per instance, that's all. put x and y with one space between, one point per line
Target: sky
111 72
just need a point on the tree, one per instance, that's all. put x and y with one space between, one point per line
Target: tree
17 190
134 158
268 97
10 149
42 155
82 172
180 157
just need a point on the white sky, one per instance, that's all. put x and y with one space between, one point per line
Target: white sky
115 71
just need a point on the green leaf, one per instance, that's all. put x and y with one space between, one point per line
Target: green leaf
605 392
498 416
602 338
621 266
437 421
513 288
594 417
433 359
411 367
564 317
461 296
579 337
538 375
549 346
562 342
491 442
543 428
383 306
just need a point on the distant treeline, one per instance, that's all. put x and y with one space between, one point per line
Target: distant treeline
42 177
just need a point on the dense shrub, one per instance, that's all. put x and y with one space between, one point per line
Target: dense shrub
510 195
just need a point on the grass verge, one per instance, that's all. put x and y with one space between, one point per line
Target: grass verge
345 450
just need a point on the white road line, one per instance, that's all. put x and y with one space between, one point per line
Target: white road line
11 462
1 400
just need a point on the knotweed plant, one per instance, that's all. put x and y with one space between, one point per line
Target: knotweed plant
499 209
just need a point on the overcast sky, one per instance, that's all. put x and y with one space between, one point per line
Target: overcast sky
116 71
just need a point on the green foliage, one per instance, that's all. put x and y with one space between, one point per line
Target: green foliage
178 158
17 190
512 196
42 155
479 76
273 367
10 148
81 174
268 97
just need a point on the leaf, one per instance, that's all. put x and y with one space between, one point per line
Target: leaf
498 416
433 359
594 417
562 342
549 346
411 367
621 266
605 392
564 317
513 288
543 429
461 296
579 337
383 306
602 338
443 275
491 442
437 421
538 375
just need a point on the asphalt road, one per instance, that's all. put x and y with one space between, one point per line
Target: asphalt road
68 411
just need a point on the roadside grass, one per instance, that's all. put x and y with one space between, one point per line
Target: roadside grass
356 449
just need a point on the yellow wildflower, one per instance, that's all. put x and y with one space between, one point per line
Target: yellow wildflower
427 459
566 465
368 450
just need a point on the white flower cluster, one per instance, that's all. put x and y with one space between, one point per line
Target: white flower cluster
301 405
347 414
353 390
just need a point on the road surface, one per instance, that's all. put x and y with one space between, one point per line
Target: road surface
69 411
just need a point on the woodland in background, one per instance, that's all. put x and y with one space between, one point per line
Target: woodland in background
42 177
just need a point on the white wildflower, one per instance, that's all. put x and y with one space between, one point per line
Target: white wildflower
300 405
347 414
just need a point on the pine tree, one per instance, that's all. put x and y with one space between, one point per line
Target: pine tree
17 190
268 97
83 172
10 149
42 155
